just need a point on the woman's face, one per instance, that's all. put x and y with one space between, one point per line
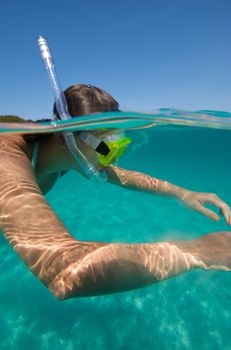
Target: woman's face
88 151
115 144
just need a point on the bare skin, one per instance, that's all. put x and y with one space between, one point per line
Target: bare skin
72 268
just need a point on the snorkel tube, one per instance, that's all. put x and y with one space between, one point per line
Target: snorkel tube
87 168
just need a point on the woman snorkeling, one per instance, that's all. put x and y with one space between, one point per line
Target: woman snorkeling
29 167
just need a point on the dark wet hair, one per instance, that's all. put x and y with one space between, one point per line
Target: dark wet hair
87 99
83 100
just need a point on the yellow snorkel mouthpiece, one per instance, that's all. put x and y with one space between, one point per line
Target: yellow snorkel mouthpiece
116 150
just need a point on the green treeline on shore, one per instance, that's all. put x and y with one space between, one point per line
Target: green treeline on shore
13 118
16 119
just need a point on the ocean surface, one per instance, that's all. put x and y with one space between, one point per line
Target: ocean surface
192 311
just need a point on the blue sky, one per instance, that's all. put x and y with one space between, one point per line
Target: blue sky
147 54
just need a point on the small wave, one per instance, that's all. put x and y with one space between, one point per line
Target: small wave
125 121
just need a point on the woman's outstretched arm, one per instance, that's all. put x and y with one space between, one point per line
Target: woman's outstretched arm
195 200
71 268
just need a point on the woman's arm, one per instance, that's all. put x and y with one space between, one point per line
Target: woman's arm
71 268
142 182
145 183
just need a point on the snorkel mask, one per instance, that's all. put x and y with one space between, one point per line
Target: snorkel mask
109 149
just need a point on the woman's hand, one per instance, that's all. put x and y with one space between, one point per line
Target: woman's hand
197 200
145 183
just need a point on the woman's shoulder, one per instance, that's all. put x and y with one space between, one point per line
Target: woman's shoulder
14 146
17 144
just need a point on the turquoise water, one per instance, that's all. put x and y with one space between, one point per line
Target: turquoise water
192 311
126 120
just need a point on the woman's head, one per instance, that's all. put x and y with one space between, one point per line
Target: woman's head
87 99
84 100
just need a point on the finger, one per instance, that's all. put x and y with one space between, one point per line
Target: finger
215 200
207 212
224 208
225 211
